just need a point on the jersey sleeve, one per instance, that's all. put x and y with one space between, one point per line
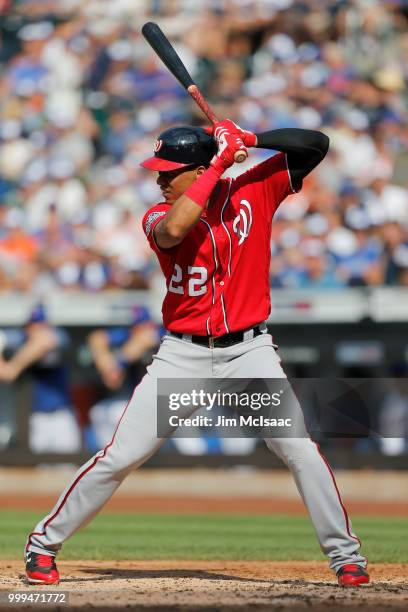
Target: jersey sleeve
271 179
149 222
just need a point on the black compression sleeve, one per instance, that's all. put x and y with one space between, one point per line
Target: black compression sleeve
305 149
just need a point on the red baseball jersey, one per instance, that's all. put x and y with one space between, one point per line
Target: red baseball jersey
218 276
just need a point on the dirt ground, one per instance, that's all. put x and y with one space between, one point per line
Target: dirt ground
176 504
223 586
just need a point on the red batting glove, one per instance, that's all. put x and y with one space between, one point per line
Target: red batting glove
228 144
248 138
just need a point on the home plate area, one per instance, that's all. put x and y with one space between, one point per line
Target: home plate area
206 585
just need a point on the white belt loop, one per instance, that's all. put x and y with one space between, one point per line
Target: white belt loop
187 337
263 328
248 335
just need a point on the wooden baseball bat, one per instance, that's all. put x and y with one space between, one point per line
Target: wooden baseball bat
161 45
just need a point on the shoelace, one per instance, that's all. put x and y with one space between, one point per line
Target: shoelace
351 568
45 561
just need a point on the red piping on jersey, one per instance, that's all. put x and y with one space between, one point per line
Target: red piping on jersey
224 310
214 256
224 313
225 227
290 178
99 456
214 250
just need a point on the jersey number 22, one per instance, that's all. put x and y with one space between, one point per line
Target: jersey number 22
196 285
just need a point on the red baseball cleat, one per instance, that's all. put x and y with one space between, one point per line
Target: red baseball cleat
41 569
351 575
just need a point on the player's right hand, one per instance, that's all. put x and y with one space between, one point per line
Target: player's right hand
228 144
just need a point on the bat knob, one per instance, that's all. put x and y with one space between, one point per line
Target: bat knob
240 156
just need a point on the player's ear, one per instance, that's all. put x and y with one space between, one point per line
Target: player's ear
200 170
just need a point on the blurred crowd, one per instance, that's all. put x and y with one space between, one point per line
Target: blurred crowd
83 97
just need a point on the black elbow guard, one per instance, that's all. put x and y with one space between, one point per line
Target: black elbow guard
324 143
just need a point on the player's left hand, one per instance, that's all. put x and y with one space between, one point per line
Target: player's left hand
248 138
229 144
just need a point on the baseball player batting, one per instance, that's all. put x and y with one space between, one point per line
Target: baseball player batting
212 238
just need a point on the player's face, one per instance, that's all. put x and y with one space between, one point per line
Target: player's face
175 182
